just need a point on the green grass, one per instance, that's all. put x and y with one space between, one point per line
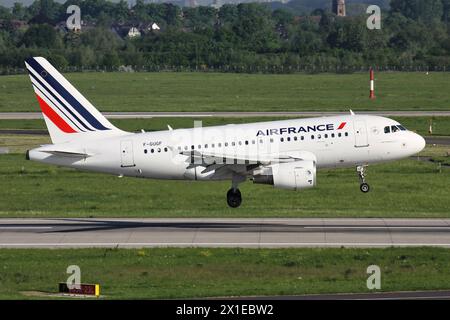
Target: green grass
242 92
186 273
399 189
441 125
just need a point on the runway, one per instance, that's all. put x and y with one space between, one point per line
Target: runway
142 115
245 233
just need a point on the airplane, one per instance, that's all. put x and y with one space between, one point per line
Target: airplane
285 154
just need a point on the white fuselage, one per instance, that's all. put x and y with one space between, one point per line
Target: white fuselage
339 141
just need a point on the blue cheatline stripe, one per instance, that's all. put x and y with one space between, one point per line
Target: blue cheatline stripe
55 105
60 102
65 94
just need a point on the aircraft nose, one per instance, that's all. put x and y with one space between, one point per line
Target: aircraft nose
418 143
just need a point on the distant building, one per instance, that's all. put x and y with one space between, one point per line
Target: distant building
191 3
14 24
134 32
216 4
339 8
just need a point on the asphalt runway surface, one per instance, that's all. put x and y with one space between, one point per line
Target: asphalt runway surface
245 233
140 115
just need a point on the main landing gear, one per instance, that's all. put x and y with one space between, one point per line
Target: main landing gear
234 197
364 187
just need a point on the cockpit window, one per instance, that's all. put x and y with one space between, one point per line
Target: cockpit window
397 128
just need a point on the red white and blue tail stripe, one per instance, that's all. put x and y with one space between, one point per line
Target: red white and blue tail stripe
66 110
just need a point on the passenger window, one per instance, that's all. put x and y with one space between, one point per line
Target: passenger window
346 134
312 137
295 138
206 146
185 148
339 134
319 136
192 147
332 135
253 141
303 138
199 146
152 150
261 141
387 129
326 135
240 143
159 149
165 149
271 140
282 139
220 144
145 150
288 138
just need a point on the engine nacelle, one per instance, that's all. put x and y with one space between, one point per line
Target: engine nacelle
295 175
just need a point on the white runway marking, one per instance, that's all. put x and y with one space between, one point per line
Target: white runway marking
223 244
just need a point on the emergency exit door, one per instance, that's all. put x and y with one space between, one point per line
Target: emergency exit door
126 153
361 137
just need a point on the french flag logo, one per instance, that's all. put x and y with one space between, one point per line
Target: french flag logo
61 103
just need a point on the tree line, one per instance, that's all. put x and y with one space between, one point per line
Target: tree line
246 37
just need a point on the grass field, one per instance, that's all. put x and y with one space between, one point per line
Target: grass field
242 92
399 189
181 273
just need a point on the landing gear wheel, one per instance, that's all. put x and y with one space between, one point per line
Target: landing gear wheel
234 198
364 187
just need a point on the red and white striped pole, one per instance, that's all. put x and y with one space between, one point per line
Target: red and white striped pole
372 85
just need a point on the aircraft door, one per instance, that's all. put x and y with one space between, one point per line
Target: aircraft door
361 137
126 153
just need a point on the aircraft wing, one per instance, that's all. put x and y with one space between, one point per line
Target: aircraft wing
240 163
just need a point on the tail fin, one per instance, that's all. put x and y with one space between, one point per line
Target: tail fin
67 113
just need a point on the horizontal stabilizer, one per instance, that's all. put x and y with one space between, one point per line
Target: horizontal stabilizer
68 153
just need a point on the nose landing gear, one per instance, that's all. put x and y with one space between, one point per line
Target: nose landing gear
364 187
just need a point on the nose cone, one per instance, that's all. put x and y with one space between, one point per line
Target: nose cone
417 143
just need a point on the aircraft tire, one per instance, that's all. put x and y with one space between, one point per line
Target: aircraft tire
234 198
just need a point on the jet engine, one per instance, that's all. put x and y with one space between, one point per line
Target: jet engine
295 175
